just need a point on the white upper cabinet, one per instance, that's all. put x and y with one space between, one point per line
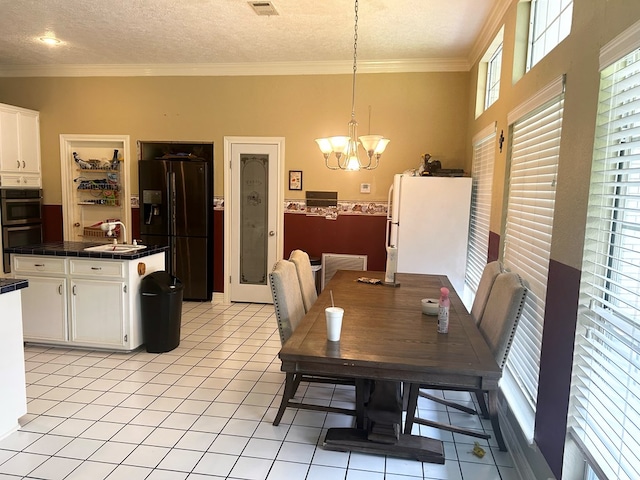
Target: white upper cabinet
19 147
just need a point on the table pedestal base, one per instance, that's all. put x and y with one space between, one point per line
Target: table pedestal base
408 446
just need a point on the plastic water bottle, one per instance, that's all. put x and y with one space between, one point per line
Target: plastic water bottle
443 311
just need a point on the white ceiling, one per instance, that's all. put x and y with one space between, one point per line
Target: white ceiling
200 34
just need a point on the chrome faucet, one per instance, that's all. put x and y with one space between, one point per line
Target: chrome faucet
109 227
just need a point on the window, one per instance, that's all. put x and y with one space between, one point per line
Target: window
482 173
493 77
549 24
489 70
604 413
534 150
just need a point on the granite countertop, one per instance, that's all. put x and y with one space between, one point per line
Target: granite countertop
12 284
76 249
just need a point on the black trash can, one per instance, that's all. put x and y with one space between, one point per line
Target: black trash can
161 309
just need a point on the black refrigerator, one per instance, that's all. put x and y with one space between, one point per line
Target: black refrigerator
176 209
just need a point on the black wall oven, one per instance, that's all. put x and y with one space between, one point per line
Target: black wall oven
21 214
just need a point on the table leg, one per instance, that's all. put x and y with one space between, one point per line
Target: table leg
382 435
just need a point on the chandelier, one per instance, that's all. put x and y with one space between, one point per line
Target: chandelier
345 148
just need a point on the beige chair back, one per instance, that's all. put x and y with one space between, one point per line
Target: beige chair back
489 274
287 299
502 313
305 277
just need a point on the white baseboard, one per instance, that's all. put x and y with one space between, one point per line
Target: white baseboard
527 458
218 297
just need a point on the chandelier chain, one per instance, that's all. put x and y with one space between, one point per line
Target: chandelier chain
355 57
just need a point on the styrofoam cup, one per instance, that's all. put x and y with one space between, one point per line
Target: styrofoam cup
334 322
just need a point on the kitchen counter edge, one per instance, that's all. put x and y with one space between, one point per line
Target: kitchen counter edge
12 284
77 250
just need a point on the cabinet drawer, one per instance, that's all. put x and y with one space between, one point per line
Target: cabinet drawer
19 180
38 264
98 268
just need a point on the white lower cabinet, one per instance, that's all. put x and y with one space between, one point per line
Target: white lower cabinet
98 313
83 302
44 305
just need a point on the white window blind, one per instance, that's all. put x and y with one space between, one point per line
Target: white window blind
535 147
482 173
604 414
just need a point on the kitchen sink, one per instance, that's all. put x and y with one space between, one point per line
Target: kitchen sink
118 248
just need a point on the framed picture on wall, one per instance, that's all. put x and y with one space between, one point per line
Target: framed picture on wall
295 179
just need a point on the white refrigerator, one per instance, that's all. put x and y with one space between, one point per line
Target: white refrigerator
428 224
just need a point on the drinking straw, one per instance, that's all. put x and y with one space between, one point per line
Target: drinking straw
331 293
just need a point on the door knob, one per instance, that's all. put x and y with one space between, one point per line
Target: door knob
272 233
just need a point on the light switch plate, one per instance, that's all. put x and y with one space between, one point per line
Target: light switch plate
365 188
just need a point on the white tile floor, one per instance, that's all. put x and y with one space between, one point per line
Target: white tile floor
203 411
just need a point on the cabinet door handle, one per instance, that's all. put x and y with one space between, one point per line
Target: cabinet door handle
60 289
24 165
18 163
73 290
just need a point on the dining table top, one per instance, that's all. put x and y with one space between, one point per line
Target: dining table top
386 336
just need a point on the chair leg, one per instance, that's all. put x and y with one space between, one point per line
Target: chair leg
290 387
493 414
482 403
412 405
296 383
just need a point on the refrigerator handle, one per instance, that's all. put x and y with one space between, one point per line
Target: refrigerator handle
389 213
387 239
171 219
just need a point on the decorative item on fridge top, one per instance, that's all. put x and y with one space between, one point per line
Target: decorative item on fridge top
430 167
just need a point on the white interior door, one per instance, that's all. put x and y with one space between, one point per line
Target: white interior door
254 198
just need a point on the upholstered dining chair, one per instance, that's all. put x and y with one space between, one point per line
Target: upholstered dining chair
306 278
498 326
489 274
289 309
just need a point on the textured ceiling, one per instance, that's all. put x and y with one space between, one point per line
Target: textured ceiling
172 32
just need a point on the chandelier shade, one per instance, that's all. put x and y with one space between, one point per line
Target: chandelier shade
345 148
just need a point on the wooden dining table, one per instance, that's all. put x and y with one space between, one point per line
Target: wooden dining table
386 339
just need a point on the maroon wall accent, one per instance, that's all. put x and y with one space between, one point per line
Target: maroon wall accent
52 223
354 234
556 360
494 247
52 229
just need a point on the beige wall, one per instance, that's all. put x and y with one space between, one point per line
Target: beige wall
420 113
595 22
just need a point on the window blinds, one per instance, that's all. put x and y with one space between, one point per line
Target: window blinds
604 415
482 173
535 147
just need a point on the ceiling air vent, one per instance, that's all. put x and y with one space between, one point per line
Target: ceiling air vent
263 8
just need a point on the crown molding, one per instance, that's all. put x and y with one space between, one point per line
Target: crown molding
489 30
236 69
